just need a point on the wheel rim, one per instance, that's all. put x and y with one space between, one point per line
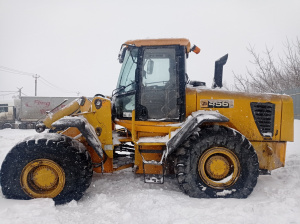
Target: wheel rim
42 178
219 168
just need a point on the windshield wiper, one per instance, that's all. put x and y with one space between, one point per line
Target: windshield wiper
119 89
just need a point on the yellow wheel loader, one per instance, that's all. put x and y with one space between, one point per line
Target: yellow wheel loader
158 122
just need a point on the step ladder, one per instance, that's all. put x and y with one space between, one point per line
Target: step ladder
153 164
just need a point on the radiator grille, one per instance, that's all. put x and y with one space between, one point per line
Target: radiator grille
264 114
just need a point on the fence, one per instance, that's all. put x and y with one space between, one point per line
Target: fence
295 94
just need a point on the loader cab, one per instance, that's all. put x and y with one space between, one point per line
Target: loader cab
151 82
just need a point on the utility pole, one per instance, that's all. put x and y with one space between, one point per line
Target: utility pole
20 92
36 77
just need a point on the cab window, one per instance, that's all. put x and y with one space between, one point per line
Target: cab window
159 84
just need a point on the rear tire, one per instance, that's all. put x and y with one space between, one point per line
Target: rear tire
47 166
217 162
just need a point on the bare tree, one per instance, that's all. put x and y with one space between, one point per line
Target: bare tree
269 77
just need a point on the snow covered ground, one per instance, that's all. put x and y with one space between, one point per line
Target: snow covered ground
123 197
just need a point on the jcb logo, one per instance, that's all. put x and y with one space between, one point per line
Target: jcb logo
204 103
216 103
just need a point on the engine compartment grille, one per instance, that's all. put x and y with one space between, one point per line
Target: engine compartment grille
264 114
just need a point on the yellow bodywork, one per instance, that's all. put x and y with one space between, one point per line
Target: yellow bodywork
99 117
67 110
270 149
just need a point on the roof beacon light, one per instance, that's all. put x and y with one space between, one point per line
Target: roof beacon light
195 49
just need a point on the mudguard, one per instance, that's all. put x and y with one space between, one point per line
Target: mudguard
191 124
85 128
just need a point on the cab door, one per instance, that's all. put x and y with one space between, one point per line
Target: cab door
159 98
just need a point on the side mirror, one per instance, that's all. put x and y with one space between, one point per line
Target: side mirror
219 71
122 53
150 65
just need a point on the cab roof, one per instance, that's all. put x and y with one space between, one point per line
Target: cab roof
161 42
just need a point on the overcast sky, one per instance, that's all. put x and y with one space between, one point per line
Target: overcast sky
73 44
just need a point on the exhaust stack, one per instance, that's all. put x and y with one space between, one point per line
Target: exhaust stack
218 77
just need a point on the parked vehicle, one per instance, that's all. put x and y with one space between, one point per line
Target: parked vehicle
24 112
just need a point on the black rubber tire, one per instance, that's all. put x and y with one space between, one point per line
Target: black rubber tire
6 125
188 155
69 154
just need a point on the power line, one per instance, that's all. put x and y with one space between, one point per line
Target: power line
18 72
46 82
15 71
49 83
35 76
8 94
12 72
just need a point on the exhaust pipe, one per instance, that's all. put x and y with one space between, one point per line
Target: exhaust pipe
218 77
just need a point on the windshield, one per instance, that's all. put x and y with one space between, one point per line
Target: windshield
127 74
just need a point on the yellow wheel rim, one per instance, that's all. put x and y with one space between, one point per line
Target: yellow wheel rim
42 178
219 168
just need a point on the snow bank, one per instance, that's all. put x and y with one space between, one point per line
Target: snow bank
123 197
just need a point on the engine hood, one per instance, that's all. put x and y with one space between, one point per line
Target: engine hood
247 112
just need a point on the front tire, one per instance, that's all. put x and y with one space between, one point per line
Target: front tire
46 166
217 162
